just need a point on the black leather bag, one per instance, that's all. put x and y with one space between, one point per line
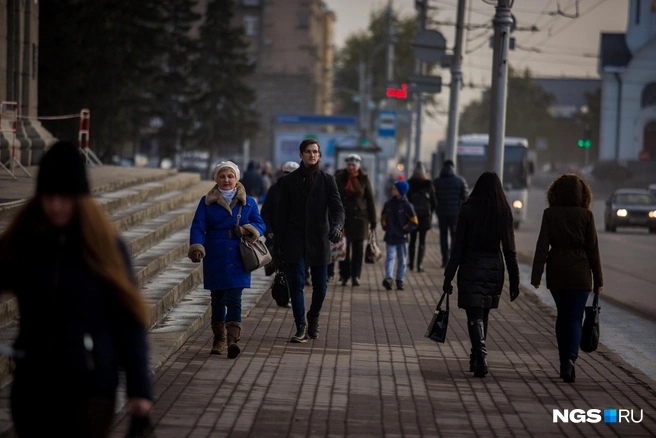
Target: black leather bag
440 322
280 289
590 335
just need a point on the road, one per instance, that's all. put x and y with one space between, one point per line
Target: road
628 316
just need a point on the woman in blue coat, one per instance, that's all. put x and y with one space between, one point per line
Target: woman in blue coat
222 218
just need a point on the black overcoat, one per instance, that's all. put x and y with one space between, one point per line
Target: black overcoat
305 217
359 209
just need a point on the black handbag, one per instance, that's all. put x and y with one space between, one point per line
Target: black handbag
280 289
440 322
590 334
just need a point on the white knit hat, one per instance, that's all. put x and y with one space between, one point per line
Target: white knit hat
223 165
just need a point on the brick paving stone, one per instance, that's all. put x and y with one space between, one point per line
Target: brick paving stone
372 373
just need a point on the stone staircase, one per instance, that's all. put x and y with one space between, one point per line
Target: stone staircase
153 217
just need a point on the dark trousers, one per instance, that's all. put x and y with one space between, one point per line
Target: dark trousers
570 305
447 225
351 266
413 242
296 277
226 305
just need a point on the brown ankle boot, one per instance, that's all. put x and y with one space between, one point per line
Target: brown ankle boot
219 330
234 333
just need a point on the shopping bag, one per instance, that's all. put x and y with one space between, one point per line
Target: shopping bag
338 250
440 322
590 333
373 252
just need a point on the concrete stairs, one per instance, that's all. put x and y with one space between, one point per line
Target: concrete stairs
153 217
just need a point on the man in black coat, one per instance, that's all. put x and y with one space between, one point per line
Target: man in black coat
450 190
310 216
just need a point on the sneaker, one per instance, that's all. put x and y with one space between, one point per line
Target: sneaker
355 281
387 283
301 335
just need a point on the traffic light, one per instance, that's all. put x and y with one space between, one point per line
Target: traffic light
397 93
585 142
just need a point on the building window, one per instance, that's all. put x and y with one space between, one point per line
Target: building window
303 19
649 95
251 25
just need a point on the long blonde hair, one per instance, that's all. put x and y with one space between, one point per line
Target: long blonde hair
100 246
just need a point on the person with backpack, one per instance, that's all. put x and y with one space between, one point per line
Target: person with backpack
422 197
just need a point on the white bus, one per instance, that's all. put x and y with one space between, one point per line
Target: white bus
472 162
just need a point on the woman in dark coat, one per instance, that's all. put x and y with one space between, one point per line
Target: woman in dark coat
422 197
567 243
360 216
484 232
82 320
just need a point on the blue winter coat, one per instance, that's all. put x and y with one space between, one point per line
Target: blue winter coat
213 233
398 219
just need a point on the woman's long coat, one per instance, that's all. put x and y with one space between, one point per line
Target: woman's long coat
213 233
424 188
359 208
480 263
305 218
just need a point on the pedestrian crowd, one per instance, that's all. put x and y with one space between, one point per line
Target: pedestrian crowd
306 210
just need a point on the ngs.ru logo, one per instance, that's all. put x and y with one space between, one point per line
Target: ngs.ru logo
596 416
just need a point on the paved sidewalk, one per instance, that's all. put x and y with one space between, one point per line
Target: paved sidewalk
373 373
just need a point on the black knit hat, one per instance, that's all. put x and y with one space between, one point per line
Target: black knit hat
62 171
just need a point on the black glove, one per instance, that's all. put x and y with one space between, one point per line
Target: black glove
514 292
447 287
335 235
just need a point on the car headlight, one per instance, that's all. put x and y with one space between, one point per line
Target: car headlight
622 212
517 204
652 214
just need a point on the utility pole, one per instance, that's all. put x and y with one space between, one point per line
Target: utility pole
502 24
456 79
389 70
419 70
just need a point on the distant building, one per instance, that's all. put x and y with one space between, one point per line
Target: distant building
628 102
19 48
291 43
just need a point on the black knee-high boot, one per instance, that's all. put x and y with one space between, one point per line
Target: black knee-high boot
479 350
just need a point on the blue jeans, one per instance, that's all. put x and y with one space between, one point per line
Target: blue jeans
229 299
296 276
570 305
396 253
447 227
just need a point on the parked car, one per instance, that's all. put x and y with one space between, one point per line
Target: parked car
630 208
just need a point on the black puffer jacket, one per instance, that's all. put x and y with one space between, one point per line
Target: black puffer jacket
422 190
480 264
450 190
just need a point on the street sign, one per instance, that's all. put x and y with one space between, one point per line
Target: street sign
425 84
387 123
429 45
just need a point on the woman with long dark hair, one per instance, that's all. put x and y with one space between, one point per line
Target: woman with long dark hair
484 238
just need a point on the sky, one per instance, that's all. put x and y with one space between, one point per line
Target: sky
564 45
